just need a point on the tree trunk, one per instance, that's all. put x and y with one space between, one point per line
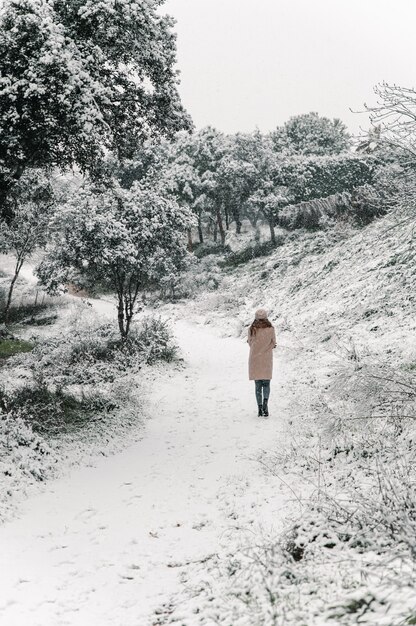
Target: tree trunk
215 232
236 216
272 233
227 218
9 301
220 226
238 225
124 321
9 295
190 243
128 322
120 317
200 234
127 291
253 218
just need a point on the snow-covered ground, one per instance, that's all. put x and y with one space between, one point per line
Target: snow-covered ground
107 544
185 526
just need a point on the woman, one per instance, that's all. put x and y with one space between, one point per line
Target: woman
262 340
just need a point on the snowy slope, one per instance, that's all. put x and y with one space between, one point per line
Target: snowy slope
335 285
343 304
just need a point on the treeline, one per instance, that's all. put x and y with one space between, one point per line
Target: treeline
225 179
100 164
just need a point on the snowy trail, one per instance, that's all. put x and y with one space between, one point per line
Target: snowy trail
105 544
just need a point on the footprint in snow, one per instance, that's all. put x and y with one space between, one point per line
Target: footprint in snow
86 514
58 547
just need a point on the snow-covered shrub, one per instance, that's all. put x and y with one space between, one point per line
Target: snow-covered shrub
151 341
92 352
23 454
39 314
210 247
367 203
76 376
360 206
17 437
51 410
202 275
309 215
253 251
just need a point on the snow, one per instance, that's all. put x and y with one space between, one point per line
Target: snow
106 545
185 522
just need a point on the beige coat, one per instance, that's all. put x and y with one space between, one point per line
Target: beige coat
260 361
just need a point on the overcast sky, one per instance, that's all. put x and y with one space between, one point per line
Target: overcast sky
255 63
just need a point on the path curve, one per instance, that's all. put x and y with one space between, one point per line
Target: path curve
103 545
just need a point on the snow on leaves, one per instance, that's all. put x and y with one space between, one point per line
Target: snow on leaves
80 77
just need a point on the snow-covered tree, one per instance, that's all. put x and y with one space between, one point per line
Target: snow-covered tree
181 180
311 177
80 77
311 134
270 198
392 137
146 165
192 174
246 169
237 177
33 203
125 240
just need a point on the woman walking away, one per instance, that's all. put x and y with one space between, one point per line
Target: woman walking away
262 340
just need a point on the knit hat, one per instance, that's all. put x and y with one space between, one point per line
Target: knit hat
261 314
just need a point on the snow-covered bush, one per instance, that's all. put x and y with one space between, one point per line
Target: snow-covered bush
151 341
92 351
23 455
52 409
76 376
211 247
254 250
202 275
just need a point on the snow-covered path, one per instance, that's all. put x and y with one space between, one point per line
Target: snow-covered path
105 545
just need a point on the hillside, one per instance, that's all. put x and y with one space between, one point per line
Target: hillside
323 285
343 304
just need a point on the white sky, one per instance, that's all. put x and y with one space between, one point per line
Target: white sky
247 64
